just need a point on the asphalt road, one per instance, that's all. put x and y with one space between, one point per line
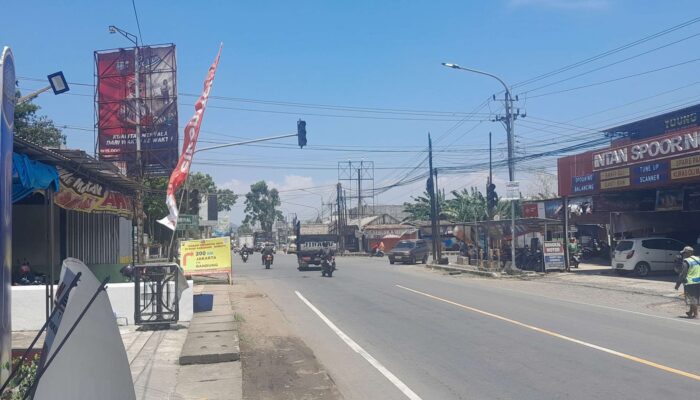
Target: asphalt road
420 335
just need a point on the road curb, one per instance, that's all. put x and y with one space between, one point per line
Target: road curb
462 270
212 336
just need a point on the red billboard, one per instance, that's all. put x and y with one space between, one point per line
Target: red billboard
120 110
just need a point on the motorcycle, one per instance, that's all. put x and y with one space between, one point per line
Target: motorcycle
244 256
327 266
574 260
268 261
377 253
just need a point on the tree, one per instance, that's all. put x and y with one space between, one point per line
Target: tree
419 209
261 206
467 205
37 129
245 229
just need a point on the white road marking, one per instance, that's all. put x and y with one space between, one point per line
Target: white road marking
358 349
679 319
560 336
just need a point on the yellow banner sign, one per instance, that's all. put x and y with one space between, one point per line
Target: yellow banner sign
615 183
206 256
615 173
685 162
684 173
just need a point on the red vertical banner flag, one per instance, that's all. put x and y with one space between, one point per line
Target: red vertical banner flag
179 174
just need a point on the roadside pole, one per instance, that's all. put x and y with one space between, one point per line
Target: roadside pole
431 193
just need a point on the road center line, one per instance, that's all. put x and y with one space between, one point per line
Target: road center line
560 336
358 349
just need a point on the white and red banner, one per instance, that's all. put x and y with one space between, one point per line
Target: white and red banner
179 175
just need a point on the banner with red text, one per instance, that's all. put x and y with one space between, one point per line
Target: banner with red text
179 174
78 194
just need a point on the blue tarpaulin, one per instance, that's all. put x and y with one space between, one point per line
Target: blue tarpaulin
28 176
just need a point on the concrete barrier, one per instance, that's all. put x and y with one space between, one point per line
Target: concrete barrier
29 305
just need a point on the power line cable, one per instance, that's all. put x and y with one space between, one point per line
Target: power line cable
609 52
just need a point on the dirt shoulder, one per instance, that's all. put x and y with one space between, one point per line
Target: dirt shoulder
276 363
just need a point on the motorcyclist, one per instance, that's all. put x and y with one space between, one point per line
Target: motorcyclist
326 251
267 250
326 255
245 249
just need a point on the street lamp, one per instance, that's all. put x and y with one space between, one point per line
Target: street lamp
509 133
57 83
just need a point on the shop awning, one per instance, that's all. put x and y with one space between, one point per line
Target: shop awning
29 176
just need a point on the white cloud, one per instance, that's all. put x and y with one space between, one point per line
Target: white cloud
562 4
302 203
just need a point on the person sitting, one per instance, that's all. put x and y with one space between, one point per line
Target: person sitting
26 276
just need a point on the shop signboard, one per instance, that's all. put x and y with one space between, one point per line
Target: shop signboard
530 210
669 200
660 161
206 256
79 194
651 173
660 124
553 209
512 191
553 255
583 184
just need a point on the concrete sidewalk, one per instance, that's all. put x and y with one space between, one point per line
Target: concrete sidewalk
154 356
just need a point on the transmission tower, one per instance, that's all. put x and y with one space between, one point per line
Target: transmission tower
358 175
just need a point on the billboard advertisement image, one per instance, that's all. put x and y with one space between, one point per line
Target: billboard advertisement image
122 106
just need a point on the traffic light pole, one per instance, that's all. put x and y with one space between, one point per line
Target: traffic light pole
219 146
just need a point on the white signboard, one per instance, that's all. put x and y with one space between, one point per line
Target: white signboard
93 363
512 191
553 255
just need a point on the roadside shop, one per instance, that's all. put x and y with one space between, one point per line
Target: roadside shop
646 183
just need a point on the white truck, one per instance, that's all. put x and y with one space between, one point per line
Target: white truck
245 240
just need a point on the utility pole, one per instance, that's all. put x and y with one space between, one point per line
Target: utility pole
509 124
490 162
431 192
359 193
437 217
339 223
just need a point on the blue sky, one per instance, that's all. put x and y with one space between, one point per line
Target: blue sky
375 55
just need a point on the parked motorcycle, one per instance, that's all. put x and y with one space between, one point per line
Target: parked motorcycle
327 265
268 261
574 259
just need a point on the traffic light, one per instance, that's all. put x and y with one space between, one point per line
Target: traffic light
194 202
491 197
301 133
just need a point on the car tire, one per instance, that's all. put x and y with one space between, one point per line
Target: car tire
642 269
391 261
413 260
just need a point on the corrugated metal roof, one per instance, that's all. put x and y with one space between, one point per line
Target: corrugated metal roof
79 162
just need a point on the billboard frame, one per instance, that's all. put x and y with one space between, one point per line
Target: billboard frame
153 160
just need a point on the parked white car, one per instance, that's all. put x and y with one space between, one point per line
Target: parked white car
644 255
